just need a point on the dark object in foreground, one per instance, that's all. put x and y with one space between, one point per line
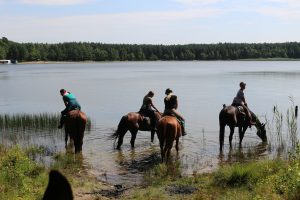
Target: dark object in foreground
58 187
231 116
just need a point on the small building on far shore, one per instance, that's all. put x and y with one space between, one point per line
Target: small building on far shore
8 61
5 62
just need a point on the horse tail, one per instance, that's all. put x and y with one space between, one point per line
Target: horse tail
222 123
121 126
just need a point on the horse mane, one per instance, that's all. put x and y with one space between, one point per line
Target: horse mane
258 123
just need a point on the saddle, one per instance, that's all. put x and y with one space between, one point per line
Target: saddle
240 110
241 115
145 119
145 123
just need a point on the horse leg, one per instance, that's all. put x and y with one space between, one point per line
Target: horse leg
152 135
133 136
78 142
169 145
221 136
66 139
231 135
162 152
177 146
120 138
168 153
242 133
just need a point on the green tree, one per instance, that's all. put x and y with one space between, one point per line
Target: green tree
2 53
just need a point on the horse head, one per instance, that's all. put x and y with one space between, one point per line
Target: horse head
261 131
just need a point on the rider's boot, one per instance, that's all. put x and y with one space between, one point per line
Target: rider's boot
61 122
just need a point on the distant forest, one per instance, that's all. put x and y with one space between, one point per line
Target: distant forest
89 51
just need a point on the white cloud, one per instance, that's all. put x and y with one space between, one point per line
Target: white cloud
282 13
287 10
197 2
290 3
137 27
54 2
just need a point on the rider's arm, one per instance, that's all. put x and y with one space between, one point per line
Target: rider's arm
65 100
153 105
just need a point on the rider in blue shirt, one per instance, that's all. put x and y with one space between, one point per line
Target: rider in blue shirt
71 104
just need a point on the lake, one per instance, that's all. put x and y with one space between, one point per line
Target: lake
108 90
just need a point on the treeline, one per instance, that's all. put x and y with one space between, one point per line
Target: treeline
84 51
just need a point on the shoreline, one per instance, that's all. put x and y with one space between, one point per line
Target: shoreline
107 61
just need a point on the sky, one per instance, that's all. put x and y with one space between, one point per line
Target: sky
150 21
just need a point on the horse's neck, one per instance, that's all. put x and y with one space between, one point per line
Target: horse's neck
258 123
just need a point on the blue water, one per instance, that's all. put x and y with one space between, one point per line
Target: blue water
109 90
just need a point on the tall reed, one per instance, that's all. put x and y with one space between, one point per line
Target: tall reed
288 129
23 121
292 124
278 118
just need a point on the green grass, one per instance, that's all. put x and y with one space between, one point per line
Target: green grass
22 178
264 179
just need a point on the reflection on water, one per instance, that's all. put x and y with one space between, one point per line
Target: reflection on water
294 74
244 154
108 90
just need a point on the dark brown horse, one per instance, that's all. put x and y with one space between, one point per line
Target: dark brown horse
231 116
168 130
74 127
134 122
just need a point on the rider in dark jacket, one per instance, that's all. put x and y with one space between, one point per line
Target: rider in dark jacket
147 110
71 103
171 105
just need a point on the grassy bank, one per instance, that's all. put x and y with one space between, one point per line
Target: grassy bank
22 178
266 179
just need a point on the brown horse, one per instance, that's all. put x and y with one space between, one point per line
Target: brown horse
134 122
75 123
231 116
168 130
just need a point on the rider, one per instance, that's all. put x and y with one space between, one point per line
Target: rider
71 104
147 110
171 105
240 100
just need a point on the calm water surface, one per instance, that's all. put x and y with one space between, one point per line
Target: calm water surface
107 91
